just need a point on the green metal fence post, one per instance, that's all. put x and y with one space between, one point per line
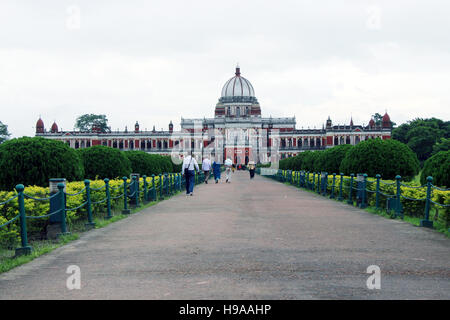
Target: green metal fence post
325 184
125 197
166 184
364 197
377 193
90 223
313 182
426 222
62 202
145 188
333 186
319 177
350 200
307 180
161 187
136 191
108 199
340 197
398 208
153 188
25 249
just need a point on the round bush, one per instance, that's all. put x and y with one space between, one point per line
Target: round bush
438 167
309 160
148 164
33 161
333 157
104 162
386 157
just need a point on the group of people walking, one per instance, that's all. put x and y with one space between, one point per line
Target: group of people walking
190 166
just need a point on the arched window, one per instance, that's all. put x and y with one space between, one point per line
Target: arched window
238 111
341 140
336 141
357 140
299 143
347 140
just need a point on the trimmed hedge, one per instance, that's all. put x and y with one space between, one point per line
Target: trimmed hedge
148 164
374 156
438 167
333 157
386 157
104 162
33 161
327 160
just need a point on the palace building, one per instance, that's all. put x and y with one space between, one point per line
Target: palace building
237 131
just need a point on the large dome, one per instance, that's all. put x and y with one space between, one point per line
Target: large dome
238 87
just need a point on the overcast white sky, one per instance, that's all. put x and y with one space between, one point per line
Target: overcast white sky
156 61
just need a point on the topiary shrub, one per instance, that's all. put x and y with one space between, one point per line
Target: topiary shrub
438 167
386 157
309 160
33 161
104 162
333 157
148 164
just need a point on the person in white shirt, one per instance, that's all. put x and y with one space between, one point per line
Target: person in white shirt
206 167
188 169
228 163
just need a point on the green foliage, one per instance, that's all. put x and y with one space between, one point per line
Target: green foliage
263 165
148 164
4 134
442 145
104 162
386 157
421 140
87 122
421 134
33 161
307 160
333 157
438 167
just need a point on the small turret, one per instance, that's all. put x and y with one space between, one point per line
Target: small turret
40 126
54 128
329 123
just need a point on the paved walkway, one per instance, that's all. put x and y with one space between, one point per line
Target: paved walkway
254 239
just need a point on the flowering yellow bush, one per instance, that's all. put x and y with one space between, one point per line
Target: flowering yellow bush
388 189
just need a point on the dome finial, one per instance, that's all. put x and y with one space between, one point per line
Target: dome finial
238 70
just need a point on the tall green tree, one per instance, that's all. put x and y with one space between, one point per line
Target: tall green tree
4 134
421 134
87 122
377 118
